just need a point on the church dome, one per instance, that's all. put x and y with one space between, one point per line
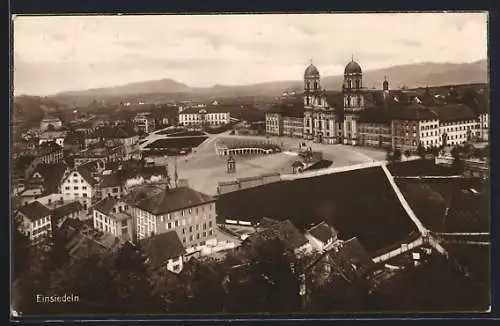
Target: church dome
352 68
311 71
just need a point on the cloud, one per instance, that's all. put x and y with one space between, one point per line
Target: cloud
202 50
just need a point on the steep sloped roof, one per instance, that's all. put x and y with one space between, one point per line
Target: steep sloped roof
106 205
174 199
323 232
34 211
52 175
162 247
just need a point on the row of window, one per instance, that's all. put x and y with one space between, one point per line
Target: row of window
197 227
197 236
76 188
76 194
41 222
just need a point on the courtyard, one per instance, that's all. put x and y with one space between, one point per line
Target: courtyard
204 169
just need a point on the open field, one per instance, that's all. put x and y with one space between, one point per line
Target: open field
368 210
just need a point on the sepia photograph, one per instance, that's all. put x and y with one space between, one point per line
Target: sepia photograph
249 164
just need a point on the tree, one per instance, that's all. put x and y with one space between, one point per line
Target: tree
388 155
266 283
421 150
21 251
397 155
456 153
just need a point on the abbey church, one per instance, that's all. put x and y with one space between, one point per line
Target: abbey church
379 118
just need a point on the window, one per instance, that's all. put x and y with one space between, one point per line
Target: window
169 225
183 231
197 235
84 187
190 229
66 188
75 180
161 218
84 195
124 223
75 188
75 174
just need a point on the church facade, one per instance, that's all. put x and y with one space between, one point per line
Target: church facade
324 123
375 118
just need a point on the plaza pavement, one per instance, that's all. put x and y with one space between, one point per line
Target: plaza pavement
204 169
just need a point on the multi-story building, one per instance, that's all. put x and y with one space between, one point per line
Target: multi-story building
406 127
190 213
110 151
144 122
49 153
293 126
79 184
400 119
274 124
457 124
210 116
110 215
50 123
285 119
34 221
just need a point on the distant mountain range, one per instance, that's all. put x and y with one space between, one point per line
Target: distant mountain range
410 75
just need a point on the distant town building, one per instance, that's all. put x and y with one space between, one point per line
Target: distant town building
387 118
144 122
50 123
210 116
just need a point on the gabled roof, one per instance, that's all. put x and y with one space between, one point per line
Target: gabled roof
174 199
112 180
284 231
67 209
106 205
351 257
162 247
52 175
323 232
34 211
86 175
81 240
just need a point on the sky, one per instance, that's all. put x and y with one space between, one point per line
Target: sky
59 53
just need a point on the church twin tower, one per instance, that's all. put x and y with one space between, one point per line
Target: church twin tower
324 124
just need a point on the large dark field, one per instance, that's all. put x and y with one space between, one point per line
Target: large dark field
449 205
357 203
168 143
